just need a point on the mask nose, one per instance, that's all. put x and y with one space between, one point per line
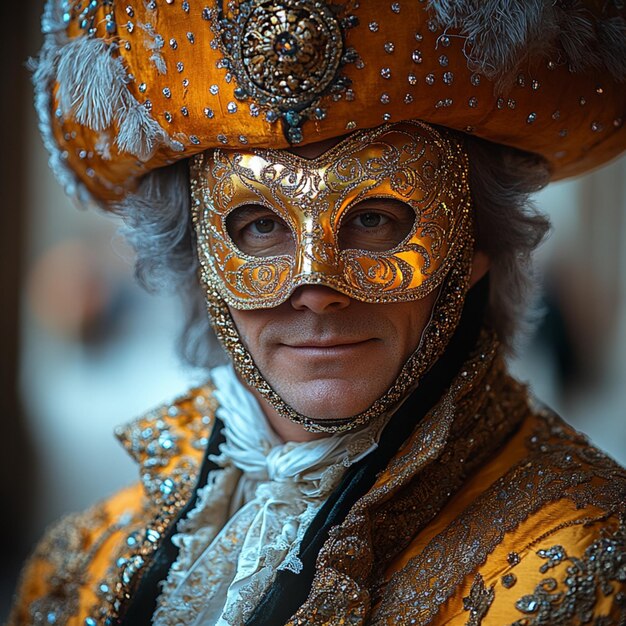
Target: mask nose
316 253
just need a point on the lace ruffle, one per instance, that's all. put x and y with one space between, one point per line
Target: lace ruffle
251 516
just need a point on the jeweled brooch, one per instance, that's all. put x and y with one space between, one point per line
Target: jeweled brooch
286 56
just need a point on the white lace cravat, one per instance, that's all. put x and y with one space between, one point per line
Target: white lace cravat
252 514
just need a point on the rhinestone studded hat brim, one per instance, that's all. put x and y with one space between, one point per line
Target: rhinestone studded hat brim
124 88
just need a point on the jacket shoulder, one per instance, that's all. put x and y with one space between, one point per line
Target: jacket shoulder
537 537
85 562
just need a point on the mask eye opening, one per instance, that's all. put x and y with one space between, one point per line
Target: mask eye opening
259 231
379 224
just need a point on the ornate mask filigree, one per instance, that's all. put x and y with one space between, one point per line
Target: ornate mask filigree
409 163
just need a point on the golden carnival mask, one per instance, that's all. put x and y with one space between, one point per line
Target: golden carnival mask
269 221
384 216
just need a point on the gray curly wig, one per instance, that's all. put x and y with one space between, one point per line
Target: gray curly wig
508 228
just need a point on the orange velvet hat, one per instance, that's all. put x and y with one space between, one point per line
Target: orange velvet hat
123 88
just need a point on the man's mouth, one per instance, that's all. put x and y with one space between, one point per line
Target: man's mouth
329 344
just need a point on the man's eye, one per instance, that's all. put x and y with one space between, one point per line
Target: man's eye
258 231
263 226
376 225
371 220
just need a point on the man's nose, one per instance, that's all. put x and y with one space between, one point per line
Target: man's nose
318 299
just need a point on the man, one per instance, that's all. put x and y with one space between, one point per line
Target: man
363 455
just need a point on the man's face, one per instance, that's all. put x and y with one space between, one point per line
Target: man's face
330 258
328 355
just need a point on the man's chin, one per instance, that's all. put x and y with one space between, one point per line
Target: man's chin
329 398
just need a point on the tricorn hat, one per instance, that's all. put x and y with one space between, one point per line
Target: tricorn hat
123 88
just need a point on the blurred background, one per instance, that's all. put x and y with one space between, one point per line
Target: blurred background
84 349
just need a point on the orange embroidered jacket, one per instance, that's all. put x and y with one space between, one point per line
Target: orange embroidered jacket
490 512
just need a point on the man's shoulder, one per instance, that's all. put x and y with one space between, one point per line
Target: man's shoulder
566 465
545 461
536 536
82 558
